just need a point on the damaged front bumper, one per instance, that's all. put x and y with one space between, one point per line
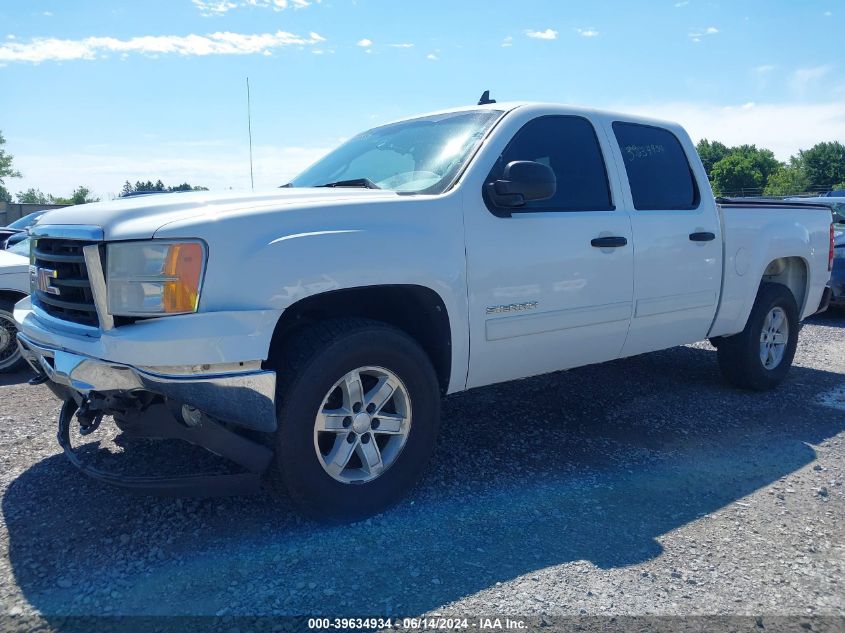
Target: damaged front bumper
158 422
238 393
242 395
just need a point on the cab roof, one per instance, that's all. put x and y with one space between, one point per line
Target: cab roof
541 107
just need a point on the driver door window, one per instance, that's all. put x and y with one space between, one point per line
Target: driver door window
569 146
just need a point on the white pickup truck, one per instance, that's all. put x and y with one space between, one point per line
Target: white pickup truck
308 333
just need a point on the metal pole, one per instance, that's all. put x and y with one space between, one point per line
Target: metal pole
249 127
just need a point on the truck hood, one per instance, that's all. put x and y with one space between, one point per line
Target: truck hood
139 217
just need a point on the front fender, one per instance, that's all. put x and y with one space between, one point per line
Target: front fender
270 261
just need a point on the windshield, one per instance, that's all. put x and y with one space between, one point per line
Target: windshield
26 221
416 156
838 213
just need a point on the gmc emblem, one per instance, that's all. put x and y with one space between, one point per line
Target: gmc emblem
41 279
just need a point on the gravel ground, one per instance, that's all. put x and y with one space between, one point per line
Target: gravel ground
642 486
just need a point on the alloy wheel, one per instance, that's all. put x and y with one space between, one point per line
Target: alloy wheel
362 425
773 338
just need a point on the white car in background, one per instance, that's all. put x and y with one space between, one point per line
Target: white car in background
14 286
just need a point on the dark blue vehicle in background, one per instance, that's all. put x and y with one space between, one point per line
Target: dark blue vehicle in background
837 275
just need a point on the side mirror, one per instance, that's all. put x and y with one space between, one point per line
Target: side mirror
522 181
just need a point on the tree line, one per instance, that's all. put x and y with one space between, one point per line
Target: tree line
748 170
157 186
80 195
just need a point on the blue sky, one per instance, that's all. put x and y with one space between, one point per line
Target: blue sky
95 92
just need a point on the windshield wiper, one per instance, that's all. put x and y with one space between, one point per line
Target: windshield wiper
364 183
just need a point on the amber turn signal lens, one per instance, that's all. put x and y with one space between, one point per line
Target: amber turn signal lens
182 271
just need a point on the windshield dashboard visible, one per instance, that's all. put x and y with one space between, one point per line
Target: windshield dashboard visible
422 155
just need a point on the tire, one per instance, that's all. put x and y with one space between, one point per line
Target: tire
10 356
310 372
741 355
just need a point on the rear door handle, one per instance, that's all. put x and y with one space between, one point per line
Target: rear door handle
704 236
608 242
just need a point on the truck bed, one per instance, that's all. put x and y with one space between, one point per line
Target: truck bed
754 246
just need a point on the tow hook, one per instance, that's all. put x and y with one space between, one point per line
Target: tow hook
89 419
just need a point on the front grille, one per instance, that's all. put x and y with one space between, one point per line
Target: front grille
69 295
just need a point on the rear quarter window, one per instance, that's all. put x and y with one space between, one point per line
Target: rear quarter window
658 170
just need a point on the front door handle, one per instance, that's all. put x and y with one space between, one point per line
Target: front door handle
608 242
704 236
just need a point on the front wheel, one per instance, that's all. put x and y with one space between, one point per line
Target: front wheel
760 356
358 418
10 354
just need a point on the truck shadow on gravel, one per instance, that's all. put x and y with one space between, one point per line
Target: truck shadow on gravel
16 378
832 317
593 464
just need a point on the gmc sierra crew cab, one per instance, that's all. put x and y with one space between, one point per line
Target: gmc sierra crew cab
308 333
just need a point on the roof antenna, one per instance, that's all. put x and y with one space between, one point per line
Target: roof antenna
485 98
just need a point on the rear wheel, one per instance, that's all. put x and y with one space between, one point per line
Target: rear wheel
10 355
359 407
760 356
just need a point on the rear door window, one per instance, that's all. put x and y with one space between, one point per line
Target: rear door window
657 168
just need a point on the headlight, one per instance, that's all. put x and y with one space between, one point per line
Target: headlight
154 277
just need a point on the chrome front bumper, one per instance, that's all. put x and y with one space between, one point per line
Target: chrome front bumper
243 396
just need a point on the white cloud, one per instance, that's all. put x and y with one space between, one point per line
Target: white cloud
783 128
804 79
48 14
221 43
508 41
407 45
696 34
683 3
548 34
763 74
214 7
365 43
827 14
432 57
210 8
588 32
